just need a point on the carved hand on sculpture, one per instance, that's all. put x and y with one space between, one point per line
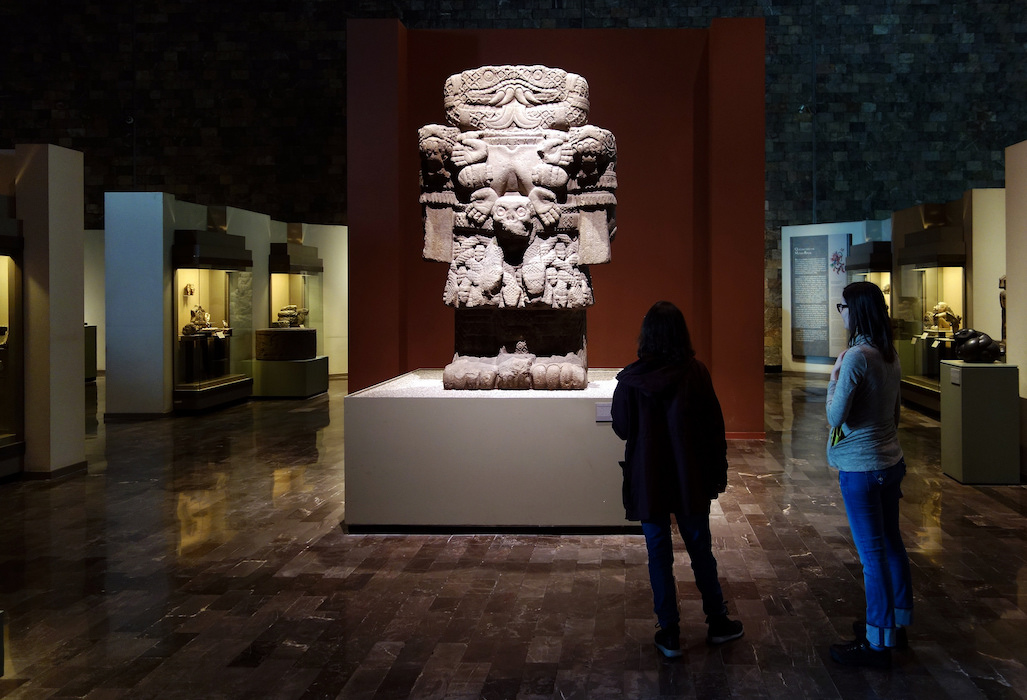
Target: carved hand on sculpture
558 150
468 151
546 208
481 204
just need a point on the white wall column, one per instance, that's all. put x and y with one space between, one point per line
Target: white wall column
137 259
1016 278
332 243
50 203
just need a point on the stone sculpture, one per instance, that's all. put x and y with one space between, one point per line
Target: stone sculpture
199 320
518 196
291 316
943 318
976 346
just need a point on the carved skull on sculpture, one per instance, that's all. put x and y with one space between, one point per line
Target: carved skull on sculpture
518 196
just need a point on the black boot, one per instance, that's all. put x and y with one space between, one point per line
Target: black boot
901 637
668 641
859 653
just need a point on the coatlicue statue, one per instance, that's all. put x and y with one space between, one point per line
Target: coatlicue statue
518 196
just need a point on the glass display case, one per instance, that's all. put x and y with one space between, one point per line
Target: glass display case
290 360
296 302
881 279
926 316
871 262
208 315
11 343
929 300
296 285
213 319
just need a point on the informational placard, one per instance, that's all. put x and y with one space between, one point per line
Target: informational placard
818 278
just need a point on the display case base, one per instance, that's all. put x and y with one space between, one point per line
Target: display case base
421 458
90 358
12 461
290 379
206 397
922 393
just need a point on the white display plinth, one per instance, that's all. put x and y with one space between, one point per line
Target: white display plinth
418 456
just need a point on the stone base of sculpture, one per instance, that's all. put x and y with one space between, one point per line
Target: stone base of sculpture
533 463
531 353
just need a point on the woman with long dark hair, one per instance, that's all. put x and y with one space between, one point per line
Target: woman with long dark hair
675 462
863 405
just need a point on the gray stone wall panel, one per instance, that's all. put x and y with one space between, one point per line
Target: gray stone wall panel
907 101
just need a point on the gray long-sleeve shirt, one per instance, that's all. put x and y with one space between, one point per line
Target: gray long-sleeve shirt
865 402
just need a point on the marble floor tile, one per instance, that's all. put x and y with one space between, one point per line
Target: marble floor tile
207 557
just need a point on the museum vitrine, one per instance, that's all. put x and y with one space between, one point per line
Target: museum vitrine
871 262
11 344
213 322
926 316
296 289
290 361
929 294
12 375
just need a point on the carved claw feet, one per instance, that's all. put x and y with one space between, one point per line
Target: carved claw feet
550 375
515 371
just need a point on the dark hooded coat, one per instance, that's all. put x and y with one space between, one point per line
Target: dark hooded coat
675 460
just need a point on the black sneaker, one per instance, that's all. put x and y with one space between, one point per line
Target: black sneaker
722 629
859 653
668 641
901 638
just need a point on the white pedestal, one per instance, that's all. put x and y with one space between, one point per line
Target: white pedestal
418 456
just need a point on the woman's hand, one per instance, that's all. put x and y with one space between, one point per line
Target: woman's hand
837 366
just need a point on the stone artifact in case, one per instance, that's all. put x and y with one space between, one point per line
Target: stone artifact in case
518 196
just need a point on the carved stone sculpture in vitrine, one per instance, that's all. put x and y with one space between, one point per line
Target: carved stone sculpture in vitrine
518 196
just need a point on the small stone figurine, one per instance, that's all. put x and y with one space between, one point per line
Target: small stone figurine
943 318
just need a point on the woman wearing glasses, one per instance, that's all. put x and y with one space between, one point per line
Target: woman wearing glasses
863 411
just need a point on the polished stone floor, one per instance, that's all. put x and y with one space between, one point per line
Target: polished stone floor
207 557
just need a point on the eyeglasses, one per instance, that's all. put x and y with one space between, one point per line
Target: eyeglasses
841 306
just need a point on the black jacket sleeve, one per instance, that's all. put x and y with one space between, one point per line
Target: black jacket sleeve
713 439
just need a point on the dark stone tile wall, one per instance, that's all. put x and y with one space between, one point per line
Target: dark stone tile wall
881 104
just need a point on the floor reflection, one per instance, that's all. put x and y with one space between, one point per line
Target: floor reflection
204 556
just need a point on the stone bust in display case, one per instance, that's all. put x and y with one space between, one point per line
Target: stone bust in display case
518 197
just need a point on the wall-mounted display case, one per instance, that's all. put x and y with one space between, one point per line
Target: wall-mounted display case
213 320
12 373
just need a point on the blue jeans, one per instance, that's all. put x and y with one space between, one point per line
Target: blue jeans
872 504
695 531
